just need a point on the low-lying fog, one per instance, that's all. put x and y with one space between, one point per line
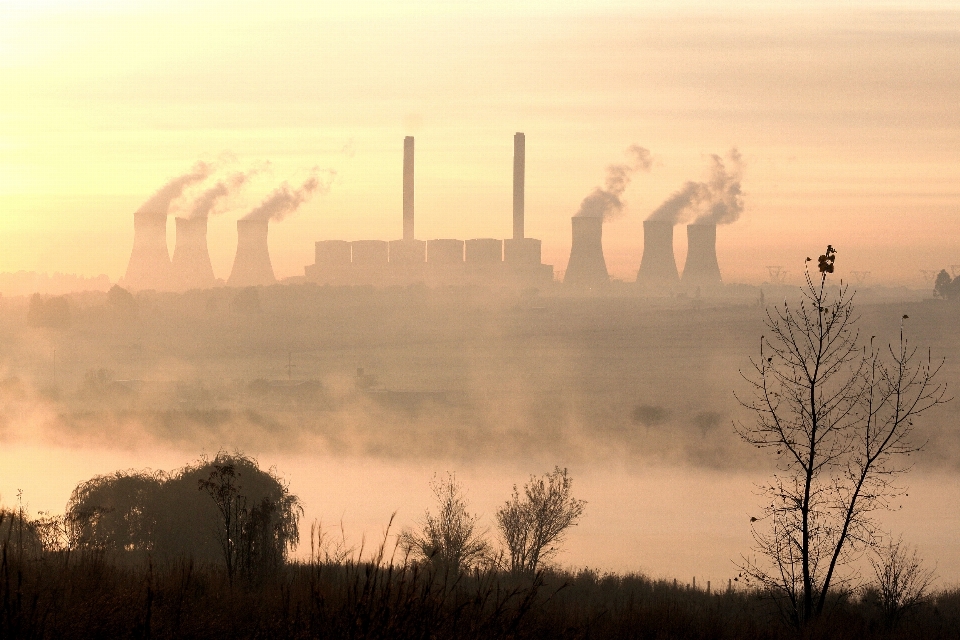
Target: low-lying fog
634 396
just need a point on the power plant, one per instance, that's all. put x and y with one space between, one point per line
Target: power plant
191 258
658 267
510 262
484 261
701 269
149 266
586 267
251 266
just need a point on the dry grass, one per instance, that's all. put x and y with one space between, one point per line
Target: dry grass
71 595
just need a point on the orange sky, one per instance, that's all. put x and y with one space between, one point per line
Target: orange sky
847 121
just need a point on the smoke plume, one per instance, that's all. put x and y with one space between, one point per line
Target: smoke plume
203 205
727 199
158 205
719 201
284 200
605 202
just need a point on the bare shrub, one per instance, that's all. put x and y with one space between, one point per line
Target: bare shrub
450 539
533 525
901 581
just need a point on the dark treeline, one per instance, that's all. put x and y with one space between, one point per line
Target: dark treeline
81 595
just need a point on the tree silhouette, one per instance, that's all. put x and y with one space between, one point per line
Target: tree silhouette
838 419
450 539
532 526
132 514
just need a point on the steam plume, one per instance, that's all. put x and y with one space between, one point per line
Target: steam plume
284 200
606 203
159 203
719 201
727 201
204 204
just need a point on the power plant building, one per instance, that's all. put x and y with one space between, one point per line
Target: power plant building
482 261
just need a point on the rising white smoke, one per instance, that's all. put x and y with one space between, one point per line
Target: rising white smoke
159 203
718 201
605 202
285 200
204 205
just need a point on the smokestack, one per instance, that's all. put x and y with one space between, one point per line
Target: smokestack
251 266
701 268
149 266
658 267
586 267
191 260
519 167
408 188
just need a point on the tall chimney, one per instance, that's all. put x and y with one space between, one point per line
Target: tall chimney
149 266
701 268
658 267
586 267
191 259
408 188
519 167
251 266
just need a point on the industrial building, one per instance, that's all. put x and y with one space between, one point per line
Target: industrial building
510 262
514 261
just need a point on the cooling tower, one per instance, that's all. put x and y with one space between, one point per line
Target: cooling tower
408 188
586 267
701 268
149 266
519 165
191 260
658 266
251 266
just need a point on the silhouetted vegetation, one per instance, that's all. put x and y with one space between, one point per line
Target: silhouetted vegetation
532 526
225 509
450 539
838 417
945 287
49 312
82 595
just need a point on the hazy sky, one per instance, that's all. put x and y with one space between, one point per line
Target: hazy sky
845 114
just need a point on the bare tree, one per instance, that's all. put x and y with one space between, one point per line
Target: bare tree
533 525
838 417
902 582
451 538
223 485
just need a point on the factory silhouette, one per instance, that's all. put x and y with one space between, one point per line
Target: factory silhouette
511 262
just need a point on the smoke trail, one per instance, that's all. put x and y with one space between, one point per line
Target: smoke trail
678 206
203 205
284 200
158 205
606 203
727 202
719 201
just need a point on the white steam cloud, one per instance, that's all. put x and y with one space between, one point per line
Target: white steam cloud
719 201
606 202
158 206
286 200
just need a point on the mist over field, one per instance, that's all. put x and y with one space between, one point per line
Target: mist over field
358 396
